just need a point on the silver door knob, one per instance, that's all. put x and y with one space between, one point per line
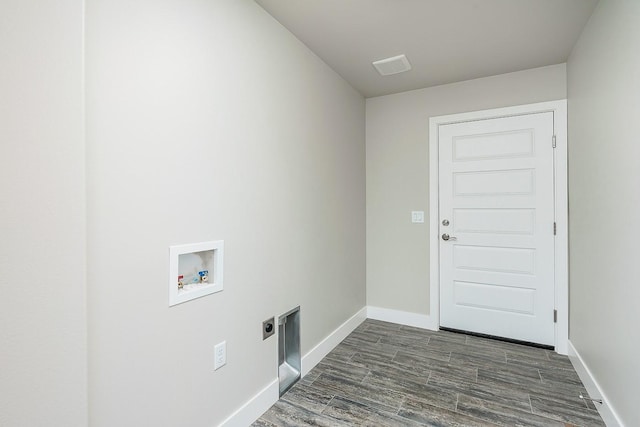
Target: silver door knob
445 236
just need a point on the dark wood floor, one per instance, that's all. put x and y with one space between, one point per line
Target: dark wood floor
384 374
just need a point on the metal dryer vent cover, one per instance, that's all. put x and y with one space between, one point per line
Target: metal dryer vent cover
393 65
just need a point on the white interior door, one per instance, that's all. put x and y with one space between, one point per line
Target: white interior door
496 206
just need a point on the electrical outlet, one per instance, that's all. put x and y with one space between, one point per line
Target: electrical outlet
220 355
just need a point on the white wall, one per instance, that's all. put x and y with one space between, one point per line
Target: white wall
43 368
604 201
205 121
398 174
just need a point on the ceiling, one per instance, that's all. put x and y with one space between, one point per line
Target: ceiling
445 41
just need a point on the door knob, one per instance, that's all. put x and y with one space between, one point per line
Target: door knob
445 236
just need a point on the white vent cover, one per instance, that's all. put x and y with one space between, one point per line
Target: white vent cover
394 65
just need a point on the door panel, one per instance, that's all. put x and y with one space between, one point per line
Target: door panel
494 297
518 143
496 191
494 183
494 259
494 221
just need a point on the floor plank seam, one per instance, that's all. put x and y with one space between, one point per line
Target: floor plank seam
327 404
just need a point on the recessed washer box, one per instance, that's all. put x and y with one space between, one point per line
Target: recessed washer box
195 270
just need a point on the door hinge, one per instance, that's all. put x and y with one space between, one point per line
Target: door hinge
555 228
553 141
555 316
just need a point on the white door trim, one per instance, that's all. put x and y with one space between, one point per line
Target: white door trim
559 108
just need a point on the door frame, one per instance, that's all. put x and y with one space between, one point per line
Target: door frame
561 242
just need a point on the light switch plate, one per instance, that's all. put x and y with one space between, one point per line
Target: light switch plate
220 355
417 216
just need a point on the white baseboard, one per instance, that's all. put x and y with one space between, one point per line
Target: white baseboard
317 353
608 414
401 317
255 407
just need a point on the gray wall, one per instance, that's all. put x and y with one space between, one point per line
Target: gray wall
205 121
604 201
43 367
398 174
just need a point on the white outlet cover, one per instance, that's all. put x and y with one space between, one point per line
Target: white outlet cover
220 355
417 216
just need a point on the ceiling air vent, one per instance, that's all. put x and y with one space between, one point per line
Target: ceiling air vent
394 65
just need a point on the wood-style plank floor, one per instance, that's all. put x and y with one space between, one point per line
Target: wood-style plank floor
384 374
